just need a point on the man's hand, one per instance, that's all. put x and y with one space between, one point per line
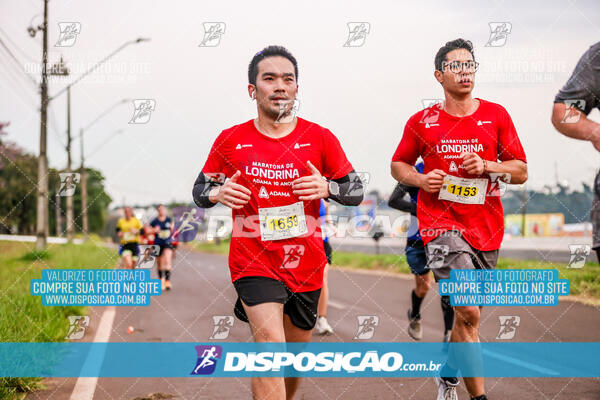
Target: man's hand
231 194
432 181
473 163
311 187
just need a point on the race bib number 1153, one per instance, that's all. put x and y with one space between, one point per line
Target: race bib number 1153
463 190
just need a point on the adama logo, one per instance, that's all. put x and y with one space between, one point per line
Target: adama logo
480 122
428 125
239 146
297 145
263 193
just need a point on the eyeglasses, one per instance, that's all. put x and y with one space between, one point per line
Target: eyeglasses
458 66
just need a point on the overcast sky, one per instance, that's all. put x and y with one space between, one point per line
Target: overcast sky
363 94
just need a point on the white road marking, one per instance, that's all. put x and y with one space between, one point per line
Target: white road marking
86 386
335 304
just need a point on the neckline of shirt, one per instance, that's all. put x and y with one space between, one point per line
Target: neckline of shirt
293 133
481 103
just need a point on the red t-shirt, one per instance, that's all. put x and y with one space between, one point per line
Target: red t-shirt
268 166
439 138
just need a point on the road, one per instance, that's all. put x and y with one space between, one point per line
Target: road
202 289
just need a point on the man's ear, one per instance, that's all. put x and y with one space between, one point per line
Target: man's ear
438 76
252 91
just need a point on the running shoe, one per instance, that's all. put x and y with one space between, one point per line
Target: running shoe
162 284
414 326
447 388
323 327
446 341
447 337
168 285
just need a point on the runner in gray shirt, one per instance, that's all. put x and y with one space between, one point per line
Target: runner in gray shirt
572 104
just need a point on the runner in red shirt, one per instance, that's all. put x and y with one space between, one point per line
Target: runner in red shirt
465 143
280 167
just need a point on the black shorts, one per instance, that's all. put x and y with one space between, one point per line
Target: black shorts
163 247
133 247
300 307
327 247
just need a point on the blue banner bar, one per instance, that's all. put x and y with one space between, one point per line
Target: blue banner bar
349 359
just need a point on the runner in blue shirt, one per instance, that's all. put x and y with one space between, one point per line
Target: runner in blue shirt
417 261
162 226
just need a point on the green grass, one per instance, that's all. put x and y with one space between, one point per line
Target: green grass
23 318
584 282
212 247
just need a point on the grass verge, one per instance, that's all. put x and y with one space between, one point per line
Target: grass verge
23 318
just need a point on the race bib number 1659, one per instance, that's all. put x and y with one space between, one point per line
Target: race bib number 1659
284 222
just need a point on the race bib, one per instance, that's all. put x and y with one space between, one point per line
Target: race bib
463 190
277 223
128 236
164 234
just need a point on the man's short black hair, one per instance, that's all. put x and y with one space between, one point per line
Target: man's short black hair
269 51
460 43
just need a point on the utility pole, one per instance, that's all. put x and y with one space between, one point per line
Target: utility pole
58 216
69 198
83 172
83 176
59 69
68 90
42 192
524 211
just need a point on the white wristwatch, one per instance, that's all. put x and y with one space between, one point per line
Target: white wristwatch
334 188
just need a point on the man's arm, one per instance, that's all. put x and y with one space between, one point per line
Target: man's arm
397 201
406 174
475 165
351 190
516 168
202 188
582 129
209 191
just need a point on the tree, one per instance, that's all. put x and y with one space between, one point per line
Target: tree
18 180
98 201
18 177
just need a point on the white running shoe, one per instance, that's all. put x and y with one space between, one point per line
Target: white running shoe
446 389
323 327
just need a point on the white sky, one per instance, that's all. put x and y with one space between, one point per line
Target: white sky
363 94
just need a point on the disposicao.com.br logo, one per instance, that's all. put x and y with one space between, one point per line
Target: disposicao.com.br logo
368 361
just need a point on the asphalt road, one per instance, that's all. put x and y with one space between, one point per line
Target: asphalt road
202 289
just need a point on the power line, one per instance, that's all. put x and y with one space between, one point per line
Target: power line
19 89
55 130
35 84
7 36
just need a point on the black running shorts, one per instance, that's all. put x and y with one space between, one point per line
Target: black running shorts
301 307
